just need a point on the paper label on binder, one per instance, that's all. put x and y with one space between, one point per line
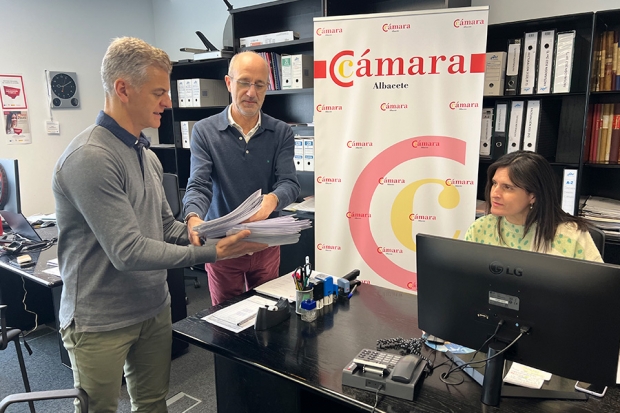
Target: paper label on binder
530 45
545 61
500 118
563 62
486 132
514 53
530 134
569 191
515 127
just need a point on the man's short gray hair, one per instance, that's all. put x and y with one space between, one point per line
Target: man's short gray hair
129 58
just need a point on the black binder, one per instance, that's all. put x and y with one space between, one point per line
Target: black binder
513 66
500 128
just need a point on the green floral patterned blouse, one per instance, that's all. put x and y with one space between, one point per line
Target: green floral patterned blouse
568 242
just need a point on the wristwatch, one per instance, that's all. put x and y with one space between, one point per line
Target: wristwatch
189 215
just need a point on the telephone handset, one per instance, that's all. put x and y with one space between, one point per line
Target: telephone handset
388 373
403 370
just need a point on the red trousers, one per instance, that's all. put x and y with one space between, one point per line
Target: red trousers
229 278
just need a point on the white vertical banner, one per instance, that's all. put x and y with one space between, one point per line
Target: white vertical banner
398 103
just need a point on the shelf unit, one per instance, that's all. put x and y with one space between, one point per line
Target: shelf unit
572 108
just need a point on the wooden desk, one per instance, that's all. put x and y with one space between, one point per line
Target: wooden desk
296 366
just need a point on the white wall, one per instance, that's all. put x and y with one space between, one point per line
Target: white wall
63 35
501 11
176 23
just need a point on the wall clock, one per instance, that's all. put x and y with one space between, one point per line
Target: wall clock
64 90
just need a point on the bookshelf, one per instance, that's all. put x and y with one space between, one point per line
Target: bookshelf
573 110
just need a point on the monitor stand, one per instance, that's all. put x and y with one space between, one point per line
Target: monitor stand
493 388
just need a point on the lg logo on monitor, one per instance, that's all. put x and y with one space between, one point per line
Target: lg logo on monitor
497 268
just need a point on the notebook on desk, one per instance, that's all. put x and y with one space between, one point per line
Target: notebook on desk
20 225
283 286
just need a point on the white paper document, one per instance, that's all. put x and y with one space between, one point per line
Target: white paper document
283 286
525 376
53 270
239 316
273 231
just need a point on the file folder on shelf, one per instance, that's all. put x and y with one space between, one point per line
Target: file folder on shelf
515 126
498 142
287 71
494 74
298 155
545 61
308 154
564 51
528 72
486 132
513 63
302 70
181 92
541 127
186 132
530 132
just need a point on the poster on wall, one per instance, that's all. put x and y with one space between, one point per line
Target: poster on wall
16 127
398 103
12 94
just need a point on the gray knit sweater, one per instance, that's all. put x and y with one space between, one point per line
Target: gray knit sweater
116 234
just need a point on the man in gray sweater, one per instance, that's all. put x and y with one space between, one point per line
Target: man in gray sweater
117 237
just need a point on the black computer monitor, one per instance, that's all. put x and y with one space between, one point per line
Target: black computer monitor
9 186
570 308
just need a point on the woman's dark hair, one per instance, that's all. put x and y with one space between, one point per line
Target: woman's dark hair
531 172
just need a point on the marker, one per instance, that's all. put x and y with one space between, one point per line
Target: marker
352 291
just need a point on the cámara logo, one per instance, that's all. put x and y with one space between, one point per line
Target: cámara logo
458 182
462 105
325 247
422 218
354 144
388 27
357 215
384 180
467 23
328 108
344 67
325 180
389 251
393 107
497 268
327 32
418 144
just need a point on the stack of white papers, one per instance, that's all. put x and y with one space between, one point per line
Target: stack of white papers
605 214
273 231
239 316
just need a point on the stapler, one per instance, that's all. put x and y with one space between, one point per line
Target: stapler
268 317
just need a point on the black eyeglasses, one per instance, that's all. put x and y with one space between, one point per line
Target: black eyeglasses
245 85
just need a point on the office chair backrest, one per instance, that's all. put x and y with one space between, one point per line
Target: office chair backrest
171 189
598 236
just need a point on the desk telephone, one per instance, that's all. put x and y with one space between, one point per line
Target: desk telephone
396 375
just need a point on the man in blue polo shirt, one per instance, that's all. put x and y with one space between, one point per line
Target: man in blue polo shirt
233 154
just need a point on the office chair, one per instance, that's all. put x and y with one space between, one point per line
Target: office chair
12 334
171 189
46 395
598 236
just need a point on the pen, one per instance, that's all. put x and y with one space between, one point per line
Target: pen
245 320
352 291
